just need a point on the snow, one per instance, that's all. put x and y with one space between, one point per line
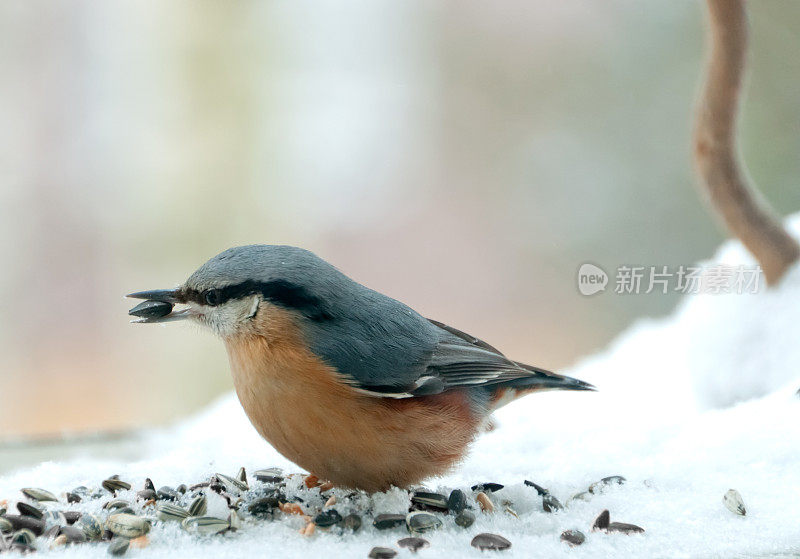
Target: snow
689 406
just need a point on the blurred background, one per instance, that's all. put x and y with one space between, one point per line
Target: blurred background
464 157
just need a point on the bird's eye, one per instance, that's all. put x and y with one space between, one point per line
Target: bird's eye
212 297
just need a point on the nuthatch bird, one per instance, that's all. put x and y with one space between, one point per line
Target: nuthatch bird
349 384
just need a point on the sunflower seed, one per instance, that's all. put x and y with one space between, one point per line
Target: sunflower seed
74 535
433 500
113 484
118 546
582 496
198 506
39 494
603 484
232 484
29 510
487 487
73 498
387 521
421 522
182 488
18 521
623 528
734 503
602 521
151 309
381 553
264 506
23 536
457 501
269 475
127 525
352 522
146 494
242 475
148 484
550 503
413 544
465 519
539 489
168 493
490 541
72 516
327 518
91 525
5 525
573 537
205 525
168 511
115 504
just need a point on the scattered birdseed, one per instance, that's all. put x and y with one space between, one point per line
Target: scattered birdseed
624 528
387 521
204 525
602 521
413 544
29 510
113 484
486 541
73 535
551 504
118 546
125 523
419 522
605 483
198 506
484 502
465 519
327 518
734 503
457 501
382 553
38 494
487 487
573 537
430 500
352 522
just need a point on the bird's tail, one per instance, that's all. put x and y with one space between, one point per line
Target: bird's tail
539 380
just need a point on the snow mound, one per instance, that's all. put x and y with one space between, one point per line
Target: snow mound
689 406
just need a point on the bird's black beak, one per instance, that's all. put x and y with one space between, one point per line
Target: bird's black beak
158 306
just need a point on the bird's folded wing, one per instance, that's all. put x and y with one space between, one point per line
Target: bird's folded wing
457 360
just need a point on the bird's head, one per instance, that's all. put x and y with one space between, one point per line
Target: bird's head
232 288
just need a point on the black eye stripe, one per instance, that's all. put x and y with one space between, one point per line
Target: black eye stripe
278 292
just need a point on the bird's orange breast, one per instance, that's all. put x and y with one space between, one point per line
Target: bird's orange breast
304 409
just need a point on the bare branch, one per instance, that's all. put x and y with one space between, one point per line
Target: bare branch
745 213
